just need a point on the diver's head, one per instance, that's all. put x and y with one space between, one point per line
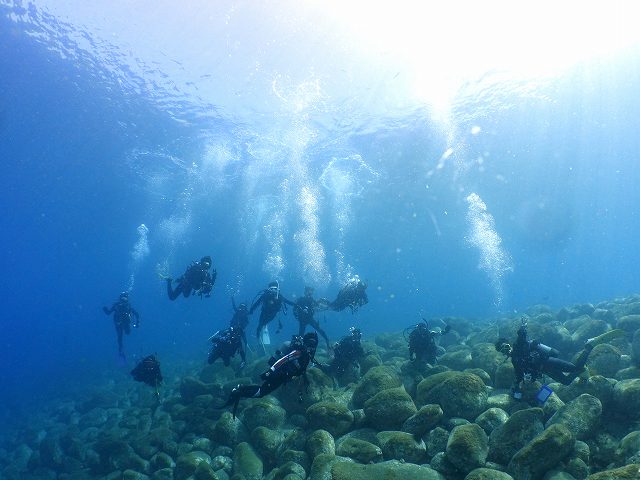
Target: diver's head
296 341
503 346
310 340
308 291
355 333
124 296
422 326
274 287
205 261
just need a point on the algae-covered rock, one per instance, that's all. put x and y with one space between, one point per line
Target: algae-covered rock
296 456
430 382
186 464
392 470
597 385
604 360
229 431
402 446
437 441
375 380
388 409
467 447
462 395
247 463
486 357
504 375
266 442
322 464
543 453
162 474
487 474
581 416
423 420
359 450
263 412
133 475
629 446
191 387
491 418
626 398
514 434
457 359
589 328
161 460
629 323
628 472
287 471
635 348
337 419
320 442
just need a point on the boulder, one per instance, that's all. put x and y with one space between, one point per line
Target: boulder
543 453
247 463
461 395
320 442
423 420
581 416
626 398
402 446
359 450
375 380
514 434
388 409
491 418
333 417
392 470
467 447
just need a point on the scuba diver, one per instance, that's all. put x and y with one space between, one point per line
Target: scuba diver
122 313
347 354
287 365
226 343
353 295
148 371
196 278
304 310
272 302
240 319
423 347
532 359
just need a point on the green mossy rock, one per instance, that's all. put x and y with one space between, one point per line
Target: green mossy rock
604 360
437 441
491 419
359 450
287 471
388 409
187 464
161 460
626 398
628 472
263 413
296 456
423 420
333 417
430 382
635 348
543 453
457 360
320 442
162 474
514 434
588 328
322 464
467 447
247 463
374 381
191 387
486 357
581 416
133 475
392 470
266 442
229 431
629 323
205 472
402 446
461 395
487 474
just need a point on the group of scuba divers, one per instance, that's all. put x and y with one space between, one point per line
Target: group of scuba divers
531 359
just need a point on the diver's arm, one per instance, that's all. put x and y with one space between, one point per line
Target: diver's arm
256 303
287 301
109 311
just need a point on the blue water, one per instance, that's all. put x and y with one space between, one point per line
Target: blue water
306 194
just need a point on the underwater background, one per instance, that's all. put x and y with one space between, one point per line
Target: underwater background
289 142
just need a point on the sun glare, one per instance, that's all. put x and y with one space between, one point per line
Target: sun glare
442 45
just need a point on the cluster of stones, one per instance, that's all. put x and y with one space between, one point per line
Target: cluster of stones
398 420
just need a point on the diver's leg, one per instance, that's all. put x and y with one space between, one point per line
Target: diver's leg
119 334
315 324
561 370
302 327
259 335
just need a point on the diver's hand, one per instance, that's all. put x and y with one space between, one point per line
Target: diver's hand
242 364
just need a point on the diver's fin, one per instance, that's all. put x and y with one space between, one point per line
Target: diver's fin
605 337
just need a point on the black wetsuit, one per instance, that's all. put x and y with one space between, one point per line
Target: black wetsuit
532 359
288 366
122 313
346 353
304 311
226 344
195 279
422 344
148 371
272 302
240 320
352 295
